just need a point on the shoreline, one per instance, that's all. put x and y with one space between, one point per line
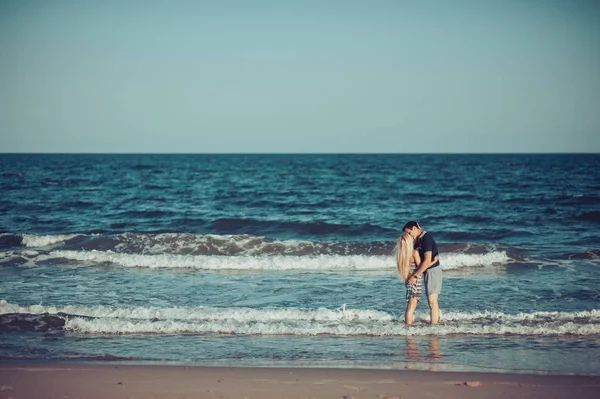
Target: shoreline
92 380
425 367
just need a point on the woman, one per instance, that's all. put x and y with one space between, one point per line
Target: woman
407 262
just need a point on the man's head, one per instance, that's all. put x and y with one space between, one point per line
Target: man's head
413 229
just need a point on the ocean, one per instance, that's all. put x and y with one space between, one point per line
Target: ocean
286 260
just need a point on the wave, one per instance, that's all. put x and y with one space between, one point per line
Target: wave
212 244
317 228
578 199
8 240
37 241
277 262
593 216
32 322
287 321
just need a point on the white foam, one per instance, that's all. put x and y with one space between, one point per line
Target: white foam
278 262
37 241
499 316
119 326
181 243
457 260
28 257
307 322
241 314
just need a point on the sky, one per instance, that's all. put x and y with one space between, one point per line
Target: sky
328 76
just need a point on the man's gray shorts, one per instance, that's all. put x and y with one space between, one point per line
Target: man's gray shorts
433 281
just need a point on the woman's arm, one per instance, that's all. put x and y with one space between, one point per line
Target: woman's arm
417 259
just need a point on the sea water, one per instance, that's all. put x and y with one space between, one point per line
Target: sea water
287 259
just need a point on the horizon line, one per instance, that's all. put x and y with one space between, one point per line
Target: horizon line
299 153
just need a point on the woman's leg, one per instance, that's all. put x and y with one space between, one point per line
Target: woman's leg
409 314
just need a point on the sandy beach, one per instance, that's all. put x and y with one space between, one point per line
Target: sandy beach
91 381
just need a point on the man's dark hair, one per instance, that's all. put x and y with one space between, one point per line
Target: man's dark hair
410 225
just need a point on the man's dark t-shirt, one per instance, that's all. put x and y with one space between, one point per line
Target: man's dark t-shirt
426 243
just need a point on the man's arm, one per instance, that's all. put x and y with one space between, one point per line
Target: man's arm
426 263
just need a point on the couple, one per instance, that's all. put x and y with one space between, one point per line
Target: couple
417 263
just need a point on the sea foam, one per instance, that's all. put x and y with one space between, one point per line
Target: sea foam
36 241
309 263
306 322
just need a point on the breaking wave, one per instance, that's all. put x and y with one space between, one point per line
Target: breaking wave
289 321
36 241
308 263
209 244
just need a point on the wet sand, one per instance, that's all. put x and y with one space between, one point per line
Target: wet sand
91 381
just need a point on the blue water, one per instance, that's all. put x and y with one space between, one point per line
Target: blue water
286 259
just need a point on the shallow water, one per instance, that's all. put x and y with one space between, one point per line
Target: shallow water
277 259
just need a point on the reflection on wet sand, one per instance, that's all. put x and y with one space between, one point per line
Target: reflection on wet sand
418 354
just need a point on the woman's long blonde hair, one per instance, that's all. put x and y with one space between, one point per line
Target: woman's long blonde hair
404 255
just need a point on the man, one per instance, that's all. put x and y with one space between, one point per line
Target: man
431 271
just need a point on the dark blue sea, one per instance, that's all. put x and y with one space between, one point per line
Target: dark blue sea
270 260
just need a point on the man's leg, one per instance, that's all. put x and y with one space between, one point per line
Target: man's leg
433 287
434 308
